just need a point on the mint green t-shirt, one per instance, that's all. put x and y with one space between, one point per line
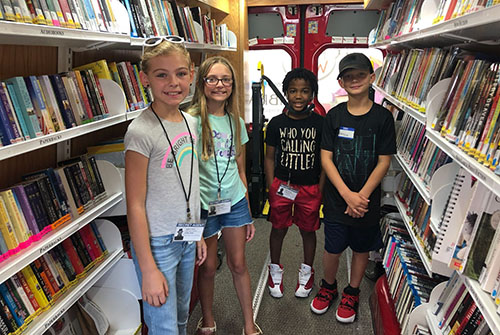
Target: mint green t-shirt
231 185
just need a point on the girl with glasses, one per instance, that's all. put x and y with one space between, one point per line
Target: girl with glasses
223 187
162 186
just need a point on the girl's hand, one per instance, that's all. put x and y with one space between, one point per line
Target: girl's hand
154 288
250 232
201 251
353 213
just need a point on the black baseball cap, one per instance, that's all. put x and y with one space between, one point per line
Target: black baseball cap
354 60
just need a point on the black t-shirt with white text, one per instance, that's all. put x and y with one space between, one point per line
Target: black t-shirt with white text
297 145
356 142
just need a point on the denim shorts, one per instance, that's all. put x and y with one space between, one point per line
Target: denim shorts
238 217
360 239
176 261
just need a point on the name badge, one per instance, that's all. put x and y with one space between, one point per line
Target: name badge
287 192
188 232
347 133
219 207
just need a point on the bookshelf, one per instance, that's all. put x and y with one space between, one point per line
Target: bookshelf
482 25
474 31
416 241
416 180
420 117
112 182
29 49
112 239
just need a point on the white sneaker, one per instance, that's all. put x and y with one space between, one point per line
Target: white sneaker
305 282
275 280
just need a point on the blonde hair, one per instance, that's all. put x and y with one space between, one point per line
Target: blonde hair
165 48
199 107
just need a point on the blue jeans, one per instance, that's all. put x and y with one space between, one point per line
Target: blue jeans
176 261
238 217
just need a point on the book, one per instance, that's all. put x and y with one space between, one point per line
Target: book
59 255
35 286
15 106
26 106
490 218
72 254
29 293
35 199
16 285
24 205
5 319
62 100
21 229
38 103
8 117
13 308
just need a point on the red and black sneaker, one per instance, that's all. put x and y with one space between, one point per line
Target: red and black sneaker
348 308
324 298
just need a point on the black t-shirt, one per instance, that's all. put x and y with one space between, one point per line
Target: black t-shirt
297 145
356 142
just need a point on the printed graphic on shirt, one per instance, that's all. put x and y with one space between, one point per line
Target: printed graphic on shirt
298 148
355 157
222 143
182 147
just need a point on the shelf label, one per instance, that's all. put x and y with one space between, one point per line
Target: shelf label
470 166
50 245
54 318
50 139
289 40
51 32
252 41
460 23
361 40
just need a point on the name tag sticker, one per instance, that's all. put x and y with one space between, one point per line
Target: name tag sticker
347 133
188 232
219 207
287 192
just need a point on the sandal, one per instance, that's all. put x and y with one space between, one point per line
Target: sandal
259 331
200 330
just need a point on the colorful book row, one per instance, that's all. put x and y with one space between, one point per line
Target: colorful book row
39 105
46 200
38 286
95 15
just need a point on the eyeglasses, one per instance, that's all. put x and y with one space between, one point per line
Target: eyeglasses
154 41
214 81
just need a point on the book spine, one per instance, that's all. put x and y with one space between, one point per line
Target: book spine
98 236
17 109
7 323
91 95
79 82
39 104
12 307
91 78
97 174
35 200
72 254
35 287
59 254
51 103
10 113
62 100
135 86
27 290
16 284
27 106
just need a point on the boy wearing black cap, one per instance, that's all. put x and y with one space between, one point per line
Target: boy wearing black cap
356 147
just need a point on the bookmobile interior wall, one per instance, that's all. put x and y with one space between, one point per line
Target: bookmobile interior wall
61 260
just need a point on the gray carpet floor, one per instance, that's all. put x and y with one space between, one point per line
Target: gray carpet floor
288 315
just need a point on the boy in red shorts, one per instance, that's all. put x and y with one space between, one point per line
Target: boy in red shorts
293 174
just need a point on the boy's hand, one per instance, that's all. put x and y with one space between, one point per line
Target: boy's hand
357 202
201 251
353 213
154 287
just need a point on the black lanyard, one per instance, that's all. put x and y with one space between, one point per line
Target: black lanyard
187 195
228 161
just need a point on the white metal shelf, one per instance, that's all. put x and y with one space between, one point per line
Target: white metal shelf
482 25
23 147
35 34
485 303
15 263
482 173
416 240
432 323
43 322
419 116
415 179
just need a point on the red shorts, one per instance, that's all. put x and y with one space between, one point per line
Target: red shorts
303 211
